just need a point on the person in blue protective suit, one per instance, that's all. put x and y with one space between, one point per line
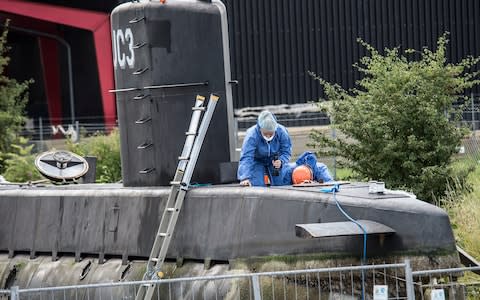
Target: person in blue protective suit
319 171
266 149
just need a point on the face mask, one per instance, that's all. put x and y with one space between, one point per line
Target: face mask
268 139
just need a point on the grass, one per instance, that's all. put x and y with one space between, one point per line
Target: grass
464 212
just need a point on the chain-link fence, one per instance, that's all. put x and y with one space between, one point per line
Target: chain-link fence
354 282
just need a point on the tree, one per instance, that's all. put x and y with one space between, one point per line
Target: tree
396 124
13 99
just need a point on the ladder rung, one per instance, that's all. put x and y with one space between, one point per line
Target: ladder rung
145 145
180 185
139 45
146 171
140 96
140 71
136 20
143 121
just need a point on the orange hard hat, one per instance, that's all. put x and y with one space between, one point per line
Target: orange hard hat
301 174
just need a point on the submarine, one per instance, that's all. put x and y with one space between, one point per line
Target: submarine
166 54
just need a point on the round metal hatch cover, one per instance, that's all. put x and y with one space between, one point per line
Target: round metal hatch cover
61 165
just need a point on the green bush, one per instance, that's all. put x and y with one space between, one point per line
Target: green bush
106 148
13 99
395 126
20 164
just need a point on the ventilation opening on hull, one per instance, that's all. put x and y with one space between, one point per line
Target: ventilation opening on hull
66 254
207 262
113 256
125 271
181 261
11 277
41 253
86 269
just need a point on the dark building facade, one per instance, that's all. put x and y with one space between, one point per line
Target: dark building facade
273 45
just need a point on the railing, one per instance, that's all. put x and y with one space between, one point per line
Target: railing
5 294
306 114
447 284
354 282
386 281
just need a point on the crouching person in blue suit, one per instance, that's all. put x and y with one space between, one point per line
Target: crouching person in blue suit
317 170
266 151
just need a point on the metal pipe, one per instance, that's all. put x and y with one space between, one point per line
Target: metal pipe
40 125
409 281
473 112
442 271
164 86
69 61
256 288
14 293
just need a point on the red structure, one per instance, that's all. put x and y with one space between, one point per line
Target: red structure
45 18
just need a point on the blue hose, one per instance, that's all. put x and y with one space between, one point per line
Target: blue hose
334 189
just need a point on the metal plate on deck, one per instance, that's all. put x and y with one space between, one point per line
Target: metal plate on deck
332 229
363 193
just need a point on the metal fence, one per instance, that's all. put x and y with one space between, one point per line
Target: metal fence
39 130
5 294
386 281
290 115
354 282
455 283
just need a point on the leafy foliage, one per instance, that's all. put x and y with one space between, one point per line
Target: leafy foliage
20 164
395 125
106 148
13 99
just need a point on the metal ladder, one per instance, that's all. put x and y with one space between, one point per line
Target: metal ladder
178 189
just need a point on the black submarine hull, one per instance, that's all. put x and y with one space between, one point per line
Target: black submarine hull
219 222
